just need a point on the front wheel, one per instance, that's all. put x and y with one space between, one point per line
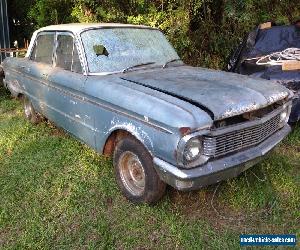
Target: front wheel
135 173
30 112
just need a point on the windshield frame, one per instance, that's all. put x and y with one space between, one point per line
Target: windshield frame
114 27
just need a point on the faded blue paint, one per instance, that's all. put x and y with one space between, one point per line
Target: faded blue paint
150 103
224 94
92 107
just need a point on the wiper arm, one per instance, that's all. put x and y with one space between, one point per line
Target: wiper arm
136 66
173 60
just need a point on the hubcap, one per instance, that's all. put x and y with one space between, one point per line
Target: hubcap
132 173
27 109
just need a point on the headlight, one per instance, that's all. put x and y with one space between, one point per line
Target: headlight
284 116
193 149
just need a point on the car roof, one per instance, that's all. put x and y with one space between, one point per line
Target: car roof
79 27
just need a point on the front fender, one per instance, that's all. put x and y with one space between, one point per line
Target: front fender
137 131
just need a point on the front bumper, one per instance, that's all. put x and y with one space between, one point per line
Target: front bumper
220 169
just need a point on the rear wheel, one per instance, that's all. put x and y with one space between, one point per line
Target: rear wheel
30 112
135 173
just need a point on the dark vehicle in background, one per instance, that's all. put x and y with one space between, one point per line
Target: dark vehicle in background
123 90
276 45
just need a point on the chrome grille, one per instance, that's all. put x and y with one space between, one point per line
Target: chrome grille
233 141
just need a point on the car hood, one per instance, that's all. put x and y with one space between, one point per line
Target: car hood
221 94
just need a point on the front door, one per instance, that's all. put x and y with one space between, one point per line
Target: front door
68 79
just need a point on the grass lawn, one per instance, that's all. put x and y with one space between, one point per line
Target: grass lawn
58 193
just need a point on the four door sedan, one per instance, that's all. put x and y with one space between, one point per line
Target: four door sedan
123 90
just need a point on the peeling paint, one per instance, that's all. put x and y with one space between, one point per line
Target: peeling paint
239 110
136 131
220 94
43 107
277 96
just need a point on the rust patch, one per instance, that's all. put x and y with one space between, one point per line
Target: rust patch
184 130
112 140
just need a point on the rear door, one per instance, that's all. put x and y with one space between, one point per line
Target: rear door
36 70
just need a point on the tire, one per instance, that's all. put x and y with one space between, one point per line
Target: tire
135 173
29 111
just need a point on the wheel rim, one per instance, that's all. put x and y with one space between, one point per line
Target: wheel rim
27 109
132 173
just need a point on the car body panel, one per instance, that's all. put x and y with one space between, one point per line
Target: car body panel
160 106
88 110
224 94
219 169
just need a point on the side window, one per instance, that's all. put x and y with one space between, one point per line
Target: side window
66 54
76 66
43 49
33 52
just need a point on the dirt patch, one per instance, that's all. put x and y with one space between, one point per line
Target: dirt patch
55 131
205 205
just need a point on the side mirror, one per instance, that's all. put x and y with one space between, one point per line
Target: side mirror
100 50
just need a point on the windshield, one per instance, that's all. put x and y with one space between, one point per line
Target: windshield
115 49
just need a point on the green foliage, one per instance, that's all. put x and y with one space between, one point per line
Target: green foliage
204 32
47 12
18 14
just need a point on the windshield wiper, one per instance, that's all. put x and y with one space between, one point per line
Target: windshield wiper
136 66
173 60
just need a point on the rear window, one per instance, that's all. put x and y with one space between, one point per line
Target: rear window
43 49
